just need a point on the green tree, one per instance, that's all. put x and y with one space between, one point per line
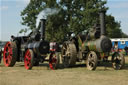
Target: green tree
73 15
113 27
124 35
29 14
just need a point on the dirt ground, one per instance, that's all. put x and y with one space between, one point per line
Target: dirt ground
77 75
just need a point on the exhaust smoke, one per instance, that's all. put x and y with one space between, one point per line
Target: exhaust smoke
43 14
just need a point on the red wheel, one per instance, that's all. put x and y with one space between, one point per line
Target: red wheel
10 54
28 59
54 61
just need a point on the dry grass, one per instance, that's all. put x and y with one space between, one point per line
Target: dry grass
78 75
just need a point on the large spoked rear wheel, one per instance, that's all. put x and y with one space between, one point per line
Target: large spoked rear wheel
54 60
91 60
28 59
118 61
69 55
10 54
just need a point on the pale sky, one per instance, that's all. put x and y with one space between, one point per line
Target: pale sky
10 19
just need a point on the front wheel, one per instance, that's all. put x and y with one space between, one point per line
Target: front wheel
54 61
118 61
28 59
91 60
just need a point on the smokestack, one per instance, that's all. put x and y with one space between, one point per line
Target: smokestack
102 22
42 28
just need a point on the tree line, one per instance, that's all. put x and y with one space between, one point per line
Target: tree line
73 15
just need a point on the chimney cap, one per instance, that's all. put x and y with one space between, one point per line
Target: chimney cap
102 11
43 19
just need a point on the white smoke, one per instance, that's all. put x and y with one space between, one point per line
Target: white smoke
43 14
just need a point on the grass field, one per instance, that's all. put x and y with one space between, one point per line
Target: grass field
77 75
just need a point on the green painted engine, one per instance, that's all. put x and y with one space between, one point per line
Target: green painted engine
92 46
95 42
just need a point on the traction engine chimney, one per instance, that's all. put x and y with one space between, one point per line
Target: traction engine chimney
102 22
42 28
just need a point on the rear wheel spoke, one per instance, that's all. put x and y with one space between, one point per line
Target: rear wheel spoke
118 61
92 60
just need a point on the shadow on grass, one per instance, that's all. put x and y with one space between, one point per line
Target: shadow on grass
126 66
102 65
2 65
21 64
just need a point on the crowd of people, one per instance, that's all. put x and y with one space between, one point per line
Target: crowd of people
126 50
116 49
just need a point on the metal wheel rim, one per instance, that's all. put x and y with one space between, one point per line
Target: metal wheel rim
117 62
64 53
53 61
92 60
91 63
7 54
27 60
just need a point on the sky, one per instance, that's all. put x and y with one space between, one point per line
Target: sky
10 19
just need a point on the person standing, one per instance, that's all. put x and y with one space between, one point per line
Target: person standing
0 55
116 47
126 50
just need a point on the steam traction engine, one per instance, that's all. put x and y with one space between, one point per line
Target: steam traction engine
91 46
32 49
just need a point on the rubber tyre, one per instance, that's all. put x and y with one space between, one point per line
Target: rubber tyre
10 54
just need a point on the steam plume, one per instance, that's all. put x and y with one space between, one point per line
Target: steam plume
43 14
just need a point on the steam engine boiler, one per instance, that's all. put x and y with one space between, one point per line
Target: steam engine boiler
92 46
31 49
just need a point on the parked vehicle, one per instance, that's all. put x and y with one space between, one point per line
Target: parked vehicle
92 46
32 49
